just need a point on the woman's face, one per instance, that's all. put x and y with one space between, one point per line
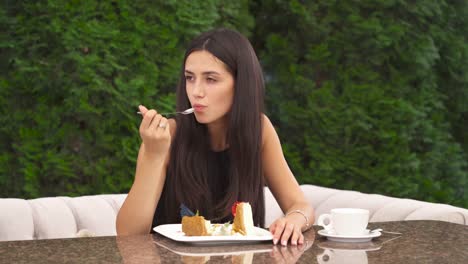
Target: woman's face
209 85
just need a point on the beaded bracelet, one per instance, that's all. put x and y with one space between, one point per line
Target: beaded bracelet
303 214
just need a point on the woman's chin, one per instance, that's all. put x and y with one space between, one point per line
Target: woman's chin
205 119
202 119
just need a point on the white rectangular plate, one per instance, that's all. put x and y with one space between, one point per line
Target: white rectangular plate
174 232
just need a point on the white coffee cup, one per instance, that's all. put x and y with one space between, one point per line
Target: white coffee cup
345 221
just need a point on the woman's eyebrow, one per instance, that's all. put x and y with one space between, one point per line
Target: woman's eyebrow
210 73
204 73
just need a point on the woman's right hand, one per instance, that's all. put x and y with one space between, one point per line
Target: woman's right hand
155 133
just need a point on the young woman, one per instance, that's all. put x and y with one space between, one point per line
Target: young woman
227 151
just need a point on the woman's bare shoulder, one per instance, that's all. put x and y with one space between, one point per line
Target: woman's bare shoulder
265 119
268 130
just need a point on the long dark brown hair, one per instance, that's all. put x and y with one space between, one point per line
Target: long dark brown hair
187 174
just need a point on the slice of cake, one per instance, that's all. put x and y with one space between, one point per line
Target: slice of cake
196 226
243 220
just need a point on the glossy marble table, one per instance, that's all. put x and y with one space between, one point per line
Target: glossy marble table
420 242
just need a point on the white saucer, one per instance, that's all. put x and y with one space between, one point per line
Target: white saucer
359 238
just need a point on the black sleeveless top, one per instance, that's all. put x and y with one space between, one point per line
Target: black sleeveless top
218 171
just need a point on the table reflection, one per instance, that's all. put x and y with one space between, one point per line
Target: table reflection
231 253
353 253
331 256
138 249
290 254
159 249
420 242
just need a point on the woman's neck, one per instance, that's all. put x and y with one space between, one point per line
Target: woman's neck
218 135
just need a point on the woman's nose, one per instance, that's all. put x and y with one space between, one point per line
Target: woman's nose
198 90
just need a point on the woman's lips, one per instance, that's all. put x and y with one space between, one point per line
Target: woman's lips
199 108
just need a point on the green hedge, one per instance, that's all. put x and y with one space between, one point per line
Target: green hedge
366 95
73 74
371 95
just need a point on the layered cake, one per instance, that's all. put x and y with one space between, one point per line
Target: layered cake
196 226
243 220
243 223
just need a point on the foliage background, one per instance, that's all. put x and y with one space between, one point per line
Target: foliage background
365 95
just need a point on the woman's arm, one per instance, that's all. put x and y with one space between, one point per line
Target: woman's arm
136 214
286 190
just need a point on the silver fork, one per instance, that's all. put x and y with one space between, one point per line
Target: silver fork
185 112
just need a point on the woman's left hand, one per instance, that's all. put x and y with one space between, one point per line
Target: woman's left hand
288 228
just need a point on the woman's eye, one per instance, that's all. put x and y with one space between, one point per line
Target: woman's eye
188 78
211 80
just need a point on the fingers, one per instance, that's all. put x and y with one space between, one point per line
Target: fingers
284 231
147 119
279 227
301 239
151 118
287 232
152 122
297 237
155 122
163 124
142 109
155 133
272 228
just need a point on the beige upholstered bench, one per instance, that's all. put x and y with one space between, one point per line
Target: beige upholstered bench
63 217
382 208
